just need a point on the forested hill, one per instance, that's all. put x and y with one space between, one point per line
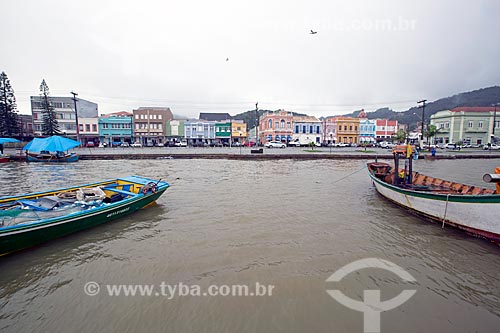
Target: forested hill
480 97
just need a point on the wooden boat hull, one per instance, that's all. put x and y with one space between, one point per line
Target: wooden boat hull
24 236
38 158
4 159
476 214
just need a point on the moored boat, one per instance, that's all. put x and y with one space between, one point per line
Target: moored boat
51 149
32 219
45 156
471 208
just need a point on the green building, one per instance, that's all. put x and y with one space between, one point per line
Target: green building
223 131
174 131
469 125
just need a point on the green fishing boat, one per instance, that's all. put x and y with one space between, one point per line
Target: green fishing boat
31 219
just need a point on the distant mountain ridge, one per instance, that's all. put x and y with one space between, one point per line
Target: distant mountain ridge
480 97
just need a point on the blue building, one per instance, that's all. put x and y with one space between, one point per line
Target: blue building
116 128
367 128
199 131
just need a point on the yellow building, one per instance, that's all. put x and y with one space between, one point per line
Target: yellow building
347 130
238 131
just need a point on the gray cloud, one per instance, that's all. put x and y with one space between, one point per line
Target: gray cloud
367 54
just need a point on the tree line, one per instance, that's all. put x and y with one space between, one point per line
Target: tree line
9 119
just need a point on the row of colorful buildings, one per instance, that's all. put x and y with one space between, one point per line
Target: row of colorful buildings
284 126
157 126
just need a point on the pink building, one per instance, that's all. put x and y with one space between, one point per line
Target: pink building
276 126
330 130
385 129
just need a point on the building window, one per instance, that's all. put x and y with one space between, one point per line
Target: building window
282 123
159 116
81 127
480 124
136 116
471 124
87 127
137 126
497 124
447 124
317 129
270 124
288 124
94 128
350 128
105 126
355 128
159 126
297 129
304 129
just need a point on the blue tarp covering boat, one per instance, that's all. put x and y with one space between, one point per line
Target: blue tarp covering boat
51 149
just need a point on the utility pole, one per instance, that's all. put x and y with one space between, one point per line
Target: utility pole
423 123
76 117
257 124
494 118
494 123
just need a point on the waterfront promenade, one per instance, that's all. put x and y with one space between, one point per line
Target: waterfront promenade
246 153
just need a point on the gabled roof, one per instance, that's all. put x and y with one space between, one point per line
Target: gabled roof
215 116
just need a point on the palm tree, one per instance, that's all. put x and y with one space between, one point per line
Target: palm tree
431 132
400 136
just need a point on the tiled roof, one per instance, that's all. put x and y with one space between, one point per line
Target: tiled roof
475 109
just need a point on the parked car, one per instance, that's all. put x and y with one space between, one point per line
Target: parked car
294 143
274 144
125 144
451 146
90 144
181 144
493 147
236 144
249 144
136 144
387 145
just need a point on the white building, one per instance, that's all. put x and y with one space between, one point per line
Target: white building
64 108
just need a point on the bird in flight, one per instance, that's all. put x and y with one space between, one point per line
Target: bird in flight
227 59
313 32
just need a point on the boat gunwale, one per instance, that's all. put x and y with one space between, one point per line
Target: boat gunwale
56 220
463 198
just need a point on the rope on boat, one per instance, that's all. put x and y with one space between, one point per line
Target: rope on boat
349 175
445 209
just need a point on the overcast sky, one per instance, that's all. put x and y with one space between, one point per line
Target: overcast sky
366 54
